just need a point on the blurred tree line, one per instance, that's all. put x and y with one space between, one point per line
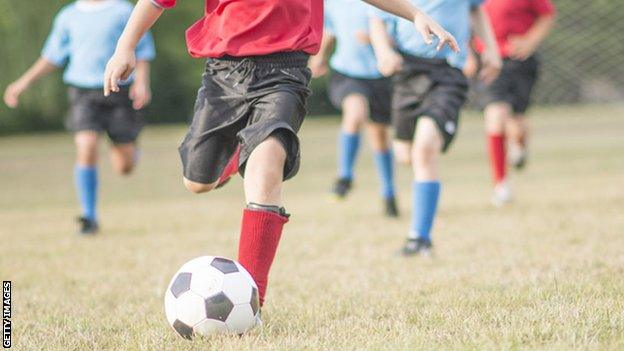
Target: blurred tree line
582 62
24 26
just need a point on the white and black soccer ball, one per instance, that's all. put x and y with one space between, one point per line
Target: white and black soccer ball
211 295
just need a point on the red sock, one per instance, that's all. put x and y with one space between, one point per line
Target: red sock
496 146
231 168
260 235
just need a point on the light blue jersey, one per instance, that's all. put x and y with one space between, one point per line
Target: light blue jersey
84 36
453 15
347 20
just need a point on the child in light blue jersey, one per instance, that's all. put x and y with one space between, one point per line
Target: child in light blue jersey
83 38
358 89
429 90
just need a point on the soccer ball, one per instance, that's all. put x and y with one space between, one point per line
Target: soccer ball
211 295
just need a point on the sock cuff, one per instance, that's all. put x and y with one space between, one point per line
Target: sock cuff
427 183
496 136
85 168
263 215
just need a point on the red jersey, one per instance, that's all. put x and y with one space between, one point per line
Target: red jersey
254 27
515 17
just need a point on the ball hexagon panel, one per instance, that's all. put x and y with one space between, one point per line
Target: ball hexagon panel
181 284
197 263
237 287
255 302
218 307
182 329
210 326
189 308
241 319
224 265
207 281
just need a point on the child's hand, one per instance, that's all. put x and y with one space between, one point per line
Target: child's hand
389 62
118 68
318 66
521 47
140 94
427 26
13 92
491 65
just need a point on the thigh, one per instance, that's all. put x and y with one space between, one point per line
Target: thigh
279 114
220 112
123 122
380 101
85 113
443 104
409 91
525 77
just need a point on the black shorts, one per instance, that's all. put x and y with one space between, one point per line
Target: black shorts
514 85
243 101
427 87
91 110
378 92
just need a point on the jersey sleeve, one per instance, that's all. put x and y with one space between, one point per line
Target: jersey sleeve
165 4
145 50
374 12
543 7
56 47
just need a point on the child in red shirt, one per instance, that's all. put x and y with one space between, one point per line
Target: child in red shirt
252 101
520 26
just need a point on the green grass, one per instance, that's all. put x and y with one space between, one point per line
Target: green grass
546 272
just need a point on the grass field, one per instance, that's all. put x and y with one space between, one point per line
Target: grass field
547 272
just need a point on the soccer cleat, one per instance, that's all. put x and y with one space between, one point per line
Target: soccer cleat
391 207
517 156
417 246
342 188
502 194
87 226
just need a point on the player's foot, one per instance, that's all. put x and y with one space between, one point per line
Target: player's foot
421 247
502 194
342 188
517 156
391 207
87 226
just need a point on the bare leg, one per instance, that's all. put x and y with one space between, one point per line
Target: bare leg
123 157
426 150
354 113
403 151
86 148
264 173
264 218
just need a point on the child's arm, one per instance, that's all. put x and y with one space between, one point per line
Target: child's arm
318 62
121 65
491 62
522 47
388 60
39 69
424 24
140 91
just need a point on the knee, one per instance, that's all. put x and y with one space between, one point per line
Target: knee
495 116
198 188
426 153
124 169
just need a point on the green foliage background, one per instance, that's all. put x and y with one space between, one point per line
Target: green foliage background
24 25
582 61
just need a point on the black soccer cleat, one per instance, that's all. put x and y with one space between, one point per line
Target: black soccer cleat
342 188
416 247
391 207
87 226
